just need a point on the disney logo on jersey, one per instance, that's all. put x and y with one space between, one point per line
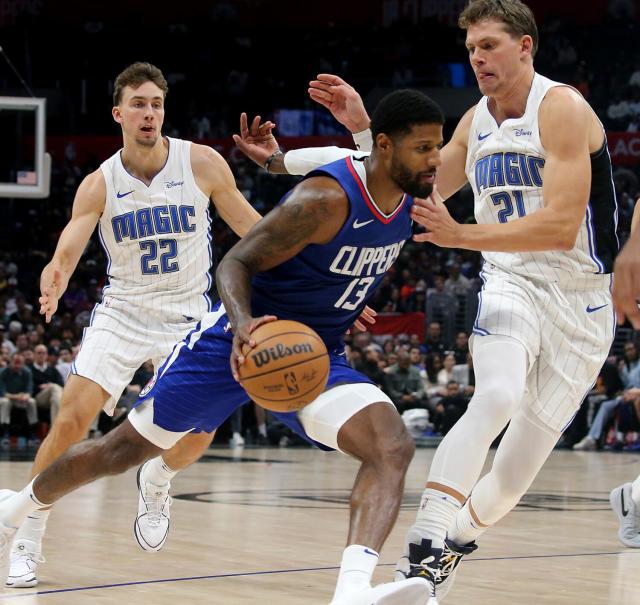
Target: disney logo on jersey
521 132
279 351
511 168
170 184
158 220
356 261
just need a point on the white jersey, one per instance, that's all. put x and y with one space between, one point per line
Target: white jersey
157 237
505 167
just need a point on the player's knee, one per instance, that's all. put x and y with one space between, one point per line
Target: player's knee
395 449
70 425
124 448
497 400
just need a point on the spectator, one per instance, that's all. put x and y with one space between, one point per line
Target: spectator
629 362
461 347
47 382
65 361
464 375
457 284
369 366
454 403
441 306
433 342
16 386
404 384
445 375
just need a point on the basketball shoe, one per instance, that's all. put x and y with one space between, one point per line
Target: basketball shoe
6 540
151 526
451 556
413 591
422 561
25 557
628 515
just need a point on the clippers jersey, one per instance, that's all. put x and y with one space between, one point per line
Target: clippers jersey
505 167
326 286
157 237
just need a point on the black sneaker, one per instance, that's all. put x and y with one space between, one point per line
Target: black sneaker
423 561
449 560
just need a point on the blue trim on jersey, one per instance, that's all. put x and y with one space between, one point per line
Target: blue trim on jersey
107 284
476 328
590 239
615 197
91 318
209 277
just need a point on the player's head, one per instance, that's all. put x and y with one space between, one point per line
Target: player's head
407 131
502 39
138 98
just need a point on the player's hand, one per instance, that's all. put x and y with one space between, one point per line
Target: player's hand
52 285
368 315
342 100
242 336
626 283
256 140
432 214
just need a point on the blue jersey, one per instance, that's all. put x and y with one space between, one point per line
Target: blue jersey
326 286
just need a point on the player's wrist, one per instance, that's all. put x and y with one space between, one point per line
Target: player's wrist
271 158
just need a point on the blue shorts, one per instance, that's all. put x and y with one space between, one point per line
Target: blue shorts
195 390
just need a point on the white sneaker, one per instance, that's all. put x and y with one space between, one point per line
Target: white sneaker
585 444
151 526
6 540
236 441
25 556
628 515
414 591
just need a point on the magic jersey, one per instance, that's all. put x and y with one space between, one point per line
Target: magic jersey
505 167
157 237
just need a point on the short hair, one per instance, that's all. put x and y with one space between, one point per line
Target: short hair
135 75
398 111
515 15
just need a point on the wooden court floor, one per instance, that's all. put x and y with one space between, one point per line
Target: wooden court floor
268 526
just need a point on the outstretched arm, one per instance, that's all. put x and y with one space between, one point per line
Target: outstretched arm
313 214
626 279
88 205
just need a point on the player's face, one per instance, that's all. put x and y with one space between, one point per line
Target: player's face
141 113
498 59
416 156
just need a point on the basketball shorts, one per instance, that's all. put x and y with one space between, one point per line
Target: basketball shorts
195 391
567 332
119 339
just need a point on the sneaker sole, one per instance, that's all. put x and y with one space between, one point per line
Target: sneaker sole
142 543
22 583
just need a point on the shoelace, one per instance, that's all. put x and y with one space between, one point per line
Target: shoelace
155 503
447 564
27 556
432 573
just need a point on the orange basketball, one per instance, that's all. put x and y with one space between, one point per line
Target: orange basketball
287 369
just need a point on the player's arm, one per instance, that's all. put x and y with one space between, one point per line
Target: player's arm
626 280
88 205
563 121
214 177
313 214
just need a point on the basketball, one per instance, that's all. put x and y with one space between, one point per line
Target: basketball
287 369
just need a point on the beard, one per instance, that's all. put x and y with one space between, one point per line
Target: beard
409 182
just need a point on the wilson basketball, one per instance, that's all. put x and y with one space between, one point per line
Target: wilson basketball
287 369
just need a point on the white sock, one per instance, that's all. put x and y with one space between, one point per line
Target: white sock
635 491
34 527
436 512
356 569
14 510
158 472
262 429
464 529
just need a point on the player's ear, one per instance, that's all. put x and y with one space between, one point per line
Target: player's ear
384 142
117 115
526 45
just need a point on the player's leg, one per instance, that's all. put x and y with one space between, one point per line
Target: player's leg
360 420
625 502
83 463
500 364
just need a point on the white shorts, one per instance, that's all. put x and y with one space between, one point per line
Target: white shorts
119 339
322 419
567 334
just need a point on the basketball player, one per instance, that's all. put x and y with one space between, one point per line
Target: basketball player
316 258
151 204
536 157
625 499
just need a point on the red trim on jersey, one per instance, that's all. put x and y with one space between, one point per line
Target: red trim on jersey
367 198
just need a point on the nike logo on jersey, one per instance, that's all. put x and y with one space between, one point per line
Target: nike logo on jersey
357 225
124 194
482 137
591 309
625 511
188 317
